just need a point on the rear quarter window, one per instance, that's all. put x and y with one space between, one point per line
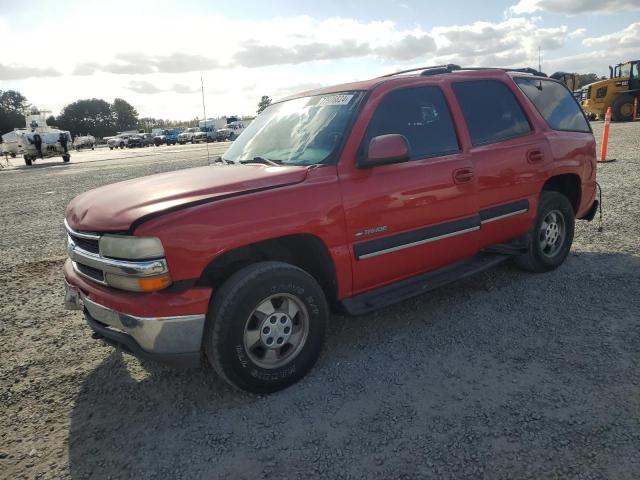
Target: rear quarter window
555 103
491 111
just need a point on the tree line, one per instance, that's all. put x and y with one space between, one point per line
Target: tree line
95 116
89 116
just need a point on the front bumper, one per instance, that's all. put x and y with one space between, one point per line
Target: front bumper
174 338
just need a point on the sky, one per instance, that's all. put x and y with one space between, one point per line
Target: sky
154 53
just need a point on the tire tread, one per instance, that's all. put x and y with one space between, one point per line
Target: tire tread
223 300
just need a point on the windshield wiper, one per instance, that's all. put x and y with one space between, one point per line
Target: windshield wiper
263 160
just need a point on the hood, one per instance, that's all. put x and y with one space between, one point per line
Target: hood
115 207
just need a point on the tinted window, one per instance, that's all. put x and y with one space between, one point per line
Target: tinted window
491 111
421 115
555 103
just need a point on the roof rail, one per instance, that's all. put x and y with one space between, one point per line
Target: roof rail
450 67
529 70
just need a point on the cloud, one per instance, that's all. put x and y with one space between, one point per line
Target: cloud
18 72
148 88
574 7
513 42
253 54
181 88
408 47
141 86
627 38
601 51
578 32
141 63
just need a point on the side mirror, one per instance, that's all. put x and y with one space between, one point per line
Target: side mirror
386 149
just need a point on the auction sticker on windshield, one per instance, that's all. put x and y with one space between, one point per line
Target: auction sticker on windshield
332 100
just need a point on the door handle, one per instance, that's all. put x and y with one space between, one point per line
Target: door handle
535 156
463 175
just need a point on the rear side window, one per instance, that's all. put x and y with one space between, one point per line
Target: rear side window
420 114
555 103
491 111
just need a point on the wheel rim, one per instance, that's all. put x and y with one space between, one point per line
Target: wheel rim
552 233
276 331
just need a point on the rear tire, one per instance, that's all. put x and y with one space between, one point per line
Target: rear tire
551 236
265 327
623 109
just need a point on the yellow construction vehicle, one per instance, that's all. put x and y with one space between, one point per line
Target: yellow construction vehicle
617 92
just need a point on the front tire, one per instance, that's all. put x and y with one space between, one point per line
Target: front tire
551 236
266 326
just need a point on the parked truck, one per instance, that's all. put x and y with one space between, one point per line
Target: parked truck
167 136
349 198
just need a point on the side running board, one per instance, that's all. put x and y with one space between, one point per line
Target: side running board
399 291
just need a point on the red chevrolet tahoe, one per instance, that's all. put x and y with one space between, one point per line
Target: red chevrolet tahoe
350 198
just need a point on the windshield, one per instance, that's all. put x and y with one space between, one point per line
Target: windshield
625 69
302 131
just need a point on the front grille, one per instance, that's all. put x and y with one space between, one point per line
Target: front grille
91 272
86 244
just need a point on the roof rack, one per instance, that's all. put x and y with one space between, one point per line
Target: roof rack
450 67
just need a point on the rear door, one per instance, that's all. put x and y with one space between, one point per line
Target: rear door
634 78
415 216
507 154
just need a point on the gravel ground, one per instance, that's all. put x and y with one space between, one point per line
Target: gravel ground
503 375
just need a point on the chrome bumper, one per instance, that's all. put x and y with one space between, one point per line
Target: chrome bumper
154 335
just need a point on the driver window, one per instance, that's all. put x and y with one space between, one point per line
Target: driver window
420 114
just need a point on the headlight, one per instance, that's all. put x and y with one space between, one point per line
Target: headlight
130 248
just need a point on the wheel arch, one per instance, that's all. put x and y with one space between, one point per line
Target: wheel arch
569 185
305 251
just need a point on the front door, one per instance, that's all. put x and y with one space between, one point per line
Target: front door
415 216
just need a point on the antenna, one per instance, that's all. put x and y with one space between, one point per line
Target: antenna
204 112
539 59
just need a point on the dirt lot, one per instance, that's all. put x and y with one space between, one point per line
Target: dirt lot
503 375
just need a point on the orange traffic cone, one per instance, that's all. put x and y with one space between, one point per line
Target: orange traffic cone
605 138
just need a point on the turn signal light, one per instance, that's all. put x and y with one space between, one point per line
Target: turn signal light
151 284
